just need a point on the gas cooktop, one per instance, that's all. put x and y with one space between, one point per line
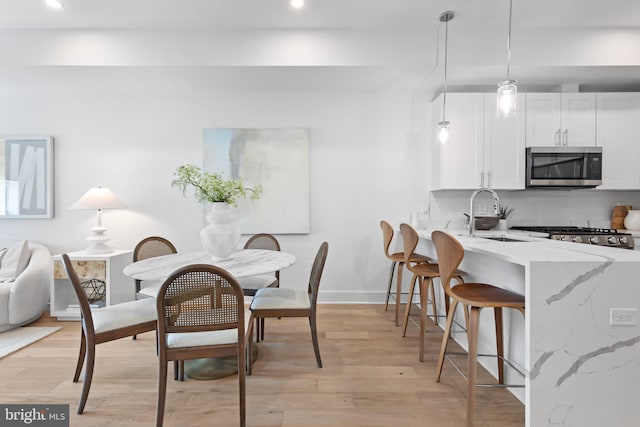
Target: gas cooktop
593 236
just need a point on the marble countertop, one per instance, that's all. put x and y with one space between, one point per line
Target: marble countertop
535 249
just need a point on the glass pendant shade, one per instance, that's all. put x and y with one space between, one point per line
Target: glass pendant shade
443 132
507 105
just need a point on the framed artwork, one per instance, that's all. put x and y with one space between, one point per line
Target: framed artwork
277 159
26 177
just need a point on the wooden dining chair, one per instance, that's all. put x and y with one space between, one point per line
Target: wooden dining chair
105 324
396 258
286 302
252 284
151 247
201 314
475 297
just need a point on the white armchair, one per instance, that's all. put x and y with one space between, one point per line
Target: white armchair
24 299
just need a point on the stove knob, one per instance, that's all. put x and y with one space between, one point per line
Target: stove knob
612 240
594 240
624 240
577 239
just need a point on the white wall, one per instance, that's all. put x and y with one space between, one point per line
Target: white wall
363 165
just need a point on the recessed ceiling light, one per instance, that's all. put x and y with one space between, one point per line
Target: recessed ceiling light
298 4
54 4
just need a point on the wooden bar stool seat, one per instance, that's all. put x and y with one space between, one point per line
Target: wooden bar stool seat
424 274
396 258
474 297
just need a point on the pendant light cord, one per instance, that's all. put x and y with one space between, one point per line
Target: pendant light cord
446 42
508 40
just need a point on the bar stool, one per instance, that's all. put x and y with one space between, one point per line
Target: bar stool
424 273
476 296
396 257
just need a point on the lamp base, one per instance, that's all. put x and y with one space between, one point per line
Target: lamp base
97 241
100 248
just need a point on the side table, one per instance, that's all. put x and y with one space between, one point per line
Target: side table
102 273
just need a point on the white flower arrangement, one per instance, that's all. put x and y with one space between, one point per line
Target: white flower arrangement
212 187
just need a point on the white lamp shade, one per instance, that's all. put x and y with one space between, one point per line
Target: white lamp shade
98 198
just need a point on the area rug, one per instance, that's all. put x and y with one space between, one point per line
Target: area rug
15 339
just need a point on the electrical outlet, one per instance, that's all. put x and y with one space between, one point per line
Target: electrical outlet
623 316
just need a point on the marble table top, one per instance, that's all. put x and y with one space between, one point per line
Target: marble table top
243 263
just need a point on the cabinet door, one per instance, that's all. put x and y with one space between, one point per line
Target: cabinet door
618 132
578 119
543 119
504 147
460 161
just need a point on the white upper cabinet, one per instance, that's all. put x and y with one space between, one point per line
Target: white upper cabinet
482 149
561 119
504 147
618 132
458 163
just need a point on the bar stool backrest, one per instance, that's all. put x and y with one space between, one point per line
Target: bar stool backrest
450 253
387 236
409 240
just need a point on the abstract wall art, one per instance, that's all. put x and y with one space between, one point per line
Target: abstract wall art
26 177
277 159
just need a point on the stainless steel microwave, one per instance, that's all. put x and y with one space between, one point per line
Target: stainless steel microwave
571 167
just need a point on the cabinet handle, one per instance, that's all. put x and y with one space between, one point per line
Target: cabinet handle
565 137
481 179
556 137
489 179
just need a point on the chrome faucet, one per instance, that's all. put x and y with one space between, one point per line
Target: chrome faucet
472 219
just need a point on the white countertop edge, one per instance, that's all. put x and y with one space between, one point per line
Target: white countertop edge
535 249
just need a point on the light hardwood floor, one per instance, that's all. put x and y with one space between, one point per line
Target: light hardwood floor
371 377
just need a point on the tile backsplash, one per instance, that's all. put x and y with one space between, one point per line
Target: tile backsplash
581 207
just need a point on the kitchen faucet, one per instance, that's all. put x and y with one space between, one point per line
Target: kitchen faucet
472 219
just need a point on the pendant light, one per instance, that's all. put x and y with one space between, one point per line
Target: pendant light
506 105
443 126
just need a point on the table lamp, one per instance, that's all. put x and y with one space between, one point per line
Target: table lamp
98 198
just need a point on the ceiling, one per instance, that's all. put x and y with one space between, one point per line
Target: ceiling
551 40
346 14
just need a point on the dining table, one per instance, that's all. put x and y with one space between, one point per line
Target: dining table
241 263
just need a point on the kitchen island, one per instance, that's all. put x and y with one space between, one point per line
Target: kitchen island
579 369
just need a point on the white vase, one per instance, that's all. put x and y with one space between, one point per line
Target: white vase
221 236
503 224
632 220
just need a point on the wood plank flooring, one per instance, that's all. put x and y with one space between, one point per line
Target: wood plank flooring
371 377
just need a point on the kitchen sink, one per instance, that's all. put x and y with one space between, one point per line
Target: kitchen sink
504 239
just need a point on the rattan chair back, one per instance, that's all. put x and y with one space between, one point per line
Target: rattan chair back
152 247
198 298
263 241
